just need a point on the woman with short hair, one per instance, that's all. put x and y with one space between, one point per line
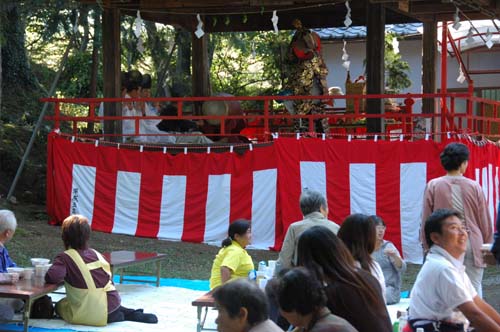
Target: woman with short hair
242 307
233 261
91 297
348 289
387 256
302 302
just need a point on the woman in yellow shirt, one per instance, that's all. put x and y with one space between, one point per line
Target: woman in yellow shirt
233 261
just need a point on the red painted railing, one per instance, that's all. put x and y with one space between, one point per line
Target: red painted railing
463 113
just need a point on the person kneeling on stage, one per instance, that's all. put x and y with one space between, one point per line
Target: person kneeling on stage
180 127
91 297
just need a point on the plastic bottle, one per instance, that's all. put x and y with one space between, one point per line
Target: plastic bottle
262 266
420 329
252 276
403 320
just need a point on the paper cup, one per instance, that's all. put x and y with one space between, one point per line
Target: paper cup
28 273
486 246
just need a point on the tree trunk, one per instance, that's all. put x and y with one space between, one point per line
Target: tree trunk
96 45
18 80
181 82
84 22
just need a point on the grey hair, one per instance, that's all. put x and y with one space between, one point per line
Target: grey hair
311 201
7 220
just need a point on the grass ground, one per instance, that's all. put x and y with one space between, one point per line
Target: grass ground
35 238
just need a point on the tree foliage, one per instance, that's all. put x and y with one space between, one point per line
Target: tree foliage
396 68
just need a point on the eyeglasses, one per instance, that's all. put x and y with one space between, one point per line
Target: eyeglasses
380 227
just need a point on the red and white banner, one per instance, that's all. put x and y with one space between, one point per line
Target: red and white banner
194 196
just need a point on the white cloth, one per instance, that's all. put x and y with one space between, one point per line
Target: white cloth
376 271
441 286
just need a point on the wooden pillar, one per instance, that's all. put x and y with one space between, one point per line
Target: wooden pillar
375 35
200 76
111 67
429 44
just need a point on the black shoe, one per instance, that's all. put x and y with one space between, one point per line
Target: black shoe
139 316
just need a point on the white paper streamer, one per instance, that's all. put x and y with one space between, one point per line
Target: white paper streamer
275 19
470 37
345 57
138 25
461 76
456 19
199 28
140 45
347 21
395 45
489 38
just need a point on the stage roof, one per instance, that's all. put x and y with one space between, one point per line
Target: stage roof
255 15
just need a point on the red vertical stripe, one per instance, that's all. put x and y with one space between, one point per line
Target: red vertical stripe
241 177
197 171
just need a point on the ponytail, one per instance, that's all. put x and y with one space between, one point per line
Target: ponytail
226 242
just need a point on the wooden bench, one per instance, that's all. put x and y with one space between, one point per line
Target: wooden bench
205 301
28 291
119 260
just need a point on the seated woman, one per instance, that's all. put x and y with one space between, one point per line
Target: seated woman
91 297
242 307
387 256
352 293
359 235
233 261
302 302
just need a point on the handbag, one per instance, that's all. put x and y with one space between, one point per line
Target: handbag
42 308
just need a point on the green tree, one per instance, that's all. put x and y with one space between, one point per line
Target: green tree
396 68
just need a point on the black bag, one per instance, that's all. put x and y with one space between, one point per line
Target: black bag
42 308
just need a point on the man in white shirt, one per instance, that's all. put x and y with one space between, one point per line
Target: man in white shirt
315 211
443 298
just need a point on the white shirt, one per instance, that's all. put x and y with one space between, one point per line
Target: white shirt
376 271
441 286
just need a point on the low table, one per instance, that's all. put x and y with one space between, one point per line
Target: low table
119 260
205 301
28 291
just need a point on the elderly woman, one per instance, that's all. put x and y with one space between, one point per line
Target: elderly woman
233 261
91 297
242 307
455 191
387 256
359 235
302 302
352 293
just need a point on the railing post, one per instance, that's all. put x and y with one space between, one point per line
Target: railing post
57 114
266 119
408 121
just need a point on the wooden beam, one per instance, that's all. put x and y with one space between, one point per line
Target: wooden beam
375 34
199 63
429 44
111 67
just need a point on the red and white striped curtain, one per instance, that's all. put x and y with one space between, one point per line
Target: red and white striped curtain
194 196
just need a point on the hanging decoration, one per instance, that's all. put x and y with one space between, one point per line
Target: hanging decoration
345 57
199 28
347 21
461 75
456 20
227 21
244 19
138 32
214 21
275 19
395 45
254 53
489 38
470 36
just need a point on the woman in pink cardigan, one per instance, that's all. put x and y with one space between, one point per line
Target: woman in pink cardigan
455 191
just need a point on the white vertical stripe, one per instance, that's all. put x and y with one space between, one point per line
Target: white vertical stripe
362 188
83 191
484 181
491 198
173 200
477 174
413 178
128 187
496 197
313 176
264 208
218 207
